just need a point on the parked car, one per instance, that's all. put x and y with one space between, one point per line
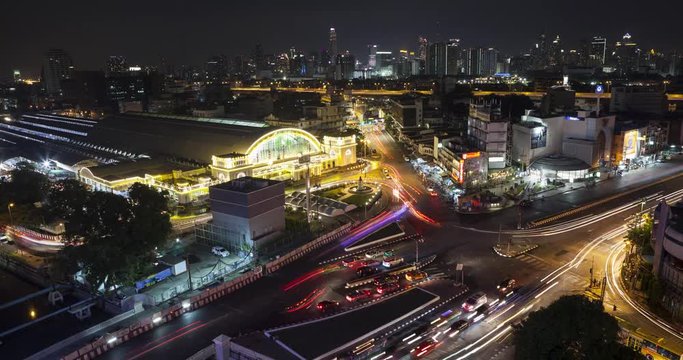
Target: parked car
474 301
374 254
220 251
327 305
358 295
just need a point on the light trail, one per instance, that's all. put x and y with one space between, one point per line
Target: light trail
613 268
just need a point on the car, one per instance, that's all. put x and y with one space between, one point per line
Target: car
367 262
388 253
507 286
407 159
458 327
358 295
474 301
351 261
386 279
387 176
480 313
366 271
327 305
220 251
526 203
433 193
392 261
425 348
416 275
388 288
373 254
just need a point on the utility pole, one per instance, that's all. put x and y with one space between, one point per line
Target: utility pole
189 271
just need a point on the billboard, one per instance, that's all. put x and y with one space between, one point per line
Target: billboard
630 144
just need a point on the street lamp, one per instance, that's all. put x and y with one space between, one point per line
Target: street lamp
9 209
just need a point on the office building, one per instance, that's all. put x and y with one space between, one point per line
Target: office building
57 66
668 258
443 58
216 69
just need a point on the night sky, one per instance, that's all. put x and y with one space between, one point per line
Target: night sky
188 32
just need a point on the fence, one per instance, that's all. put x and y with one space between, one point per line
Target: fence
207 296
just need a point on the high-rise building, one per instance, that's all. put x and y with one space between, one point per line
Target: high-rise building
627 55
555 52
385 64
216 69
423 44
345 65
436 59
453 57
598 51
372 56
57 66
539 53
333 44
116 63
489 62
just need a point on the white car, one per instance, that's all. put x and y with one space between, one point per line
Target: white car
392 261
374 254
475 301
407 159
220 251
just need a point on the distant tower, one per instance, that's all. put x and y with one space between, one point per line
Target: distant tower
57 66
333 44
423 43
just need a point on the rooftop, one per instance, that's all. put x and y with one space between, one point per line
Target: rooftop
246 184
559 163
139 168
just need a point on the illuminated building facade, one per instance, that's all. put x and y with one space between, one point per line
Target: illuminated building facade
276 154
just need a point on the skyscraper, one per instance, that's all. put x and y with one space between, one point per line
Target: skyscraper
627 55
57 66
423 43
333 44
345 65
453 57
436 59
116 63
598 51
372 56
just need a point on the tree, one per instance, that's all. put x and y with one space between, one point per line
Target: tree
66 200
114 241
573 327
27 186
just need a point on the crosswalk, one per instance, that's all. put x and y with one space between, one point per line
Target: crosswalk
533 262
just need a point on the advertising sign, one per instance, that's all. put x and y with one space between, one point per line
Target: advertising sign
630 144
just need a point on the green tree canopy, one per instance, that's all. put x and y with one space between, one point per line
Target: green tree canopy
573 327
27 186
114 238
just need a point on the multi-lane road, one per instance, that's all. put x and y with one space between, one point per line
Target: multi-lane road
559 266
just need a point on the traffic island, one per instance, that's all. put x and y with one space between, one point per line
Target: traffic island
510 249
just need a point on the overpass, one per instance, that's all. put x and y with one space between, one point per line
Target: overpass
384 92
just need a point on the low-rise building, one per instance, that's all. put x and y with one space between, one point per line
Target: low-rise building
406 111
489 132
248 210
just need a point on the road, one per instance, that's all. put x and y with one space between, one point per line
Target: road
454 238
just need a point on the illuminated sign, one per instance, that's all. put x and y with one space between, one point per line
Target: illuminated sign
630 144
599 89
497 159
572 118
471 155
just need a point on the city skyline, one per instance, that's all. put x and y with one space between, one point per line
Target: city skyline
183 35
